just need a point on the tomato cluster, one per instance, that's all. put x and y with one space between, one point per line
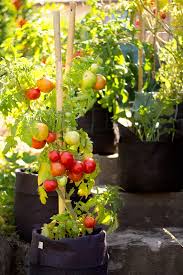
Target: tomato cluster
92 79
44 85
64 164
162 13
42 135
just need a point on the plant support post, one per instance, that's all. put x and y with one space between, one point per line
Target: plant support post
70 41
59 82
140 53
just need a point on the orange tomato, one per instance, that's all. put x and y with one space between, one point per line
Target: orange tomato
100 83
38 144
57 169
45 85
43 60
21 21
17 4
162 15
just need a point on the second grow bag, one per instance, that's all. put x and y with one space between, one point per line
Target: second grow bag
30 213
103 132
149 167
85 255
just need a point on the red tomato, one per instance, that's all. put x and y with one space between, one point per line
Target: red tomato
154 10
45 85
54 156
100 83
43 60
21 22
163 15
50 185
75 177
89 165
51 137
17 4
137 23
89 222
38 144
57 169
78 167
67 159
33 93
78 54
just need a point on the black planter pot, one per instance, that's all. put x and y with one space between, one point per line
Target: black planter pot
30 213
80 256
149 167
102 131
180 111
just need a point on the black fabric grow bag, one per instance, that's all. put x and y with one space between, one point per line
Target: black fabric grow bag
100 128
148 166
30 213
80 256
179 111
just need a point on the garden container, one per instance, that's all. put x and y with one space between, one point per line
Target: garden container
102 131
30 213
148 167
85 255
180 111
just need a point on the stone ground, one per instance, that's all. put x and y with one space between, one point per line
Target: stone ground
132 252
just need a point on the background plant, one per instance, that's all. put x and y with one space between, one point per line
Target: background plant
152 119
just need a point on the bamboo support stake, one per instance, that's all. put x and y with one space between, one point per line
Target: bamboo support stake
70 41
140 53
59 82
155 38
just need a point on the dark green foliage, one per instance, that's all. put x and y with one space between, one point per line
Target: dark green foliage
7 17
7 186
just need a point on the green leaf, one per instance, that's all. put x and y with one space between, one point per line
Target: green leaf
42 194
44 172
106 220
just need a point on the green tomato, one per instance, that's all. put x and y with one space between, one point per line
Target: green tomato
72 137
62 181
40 131
95 68
68 114
89 80
99 60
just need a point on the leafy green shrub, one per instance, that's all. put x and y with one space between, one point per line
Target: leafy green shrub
7 17
9 163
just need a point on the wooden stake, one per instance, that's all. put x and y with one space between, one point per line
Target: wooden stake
140 53
58 61
70 41
59 82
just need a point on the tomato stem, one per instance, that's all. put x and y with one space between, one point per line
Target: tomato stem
67 204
